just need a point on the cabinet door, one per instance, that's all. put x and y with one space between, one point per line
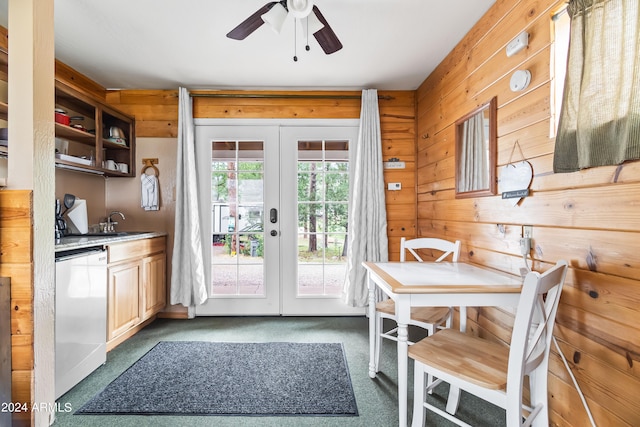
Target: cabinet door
153 281
124 298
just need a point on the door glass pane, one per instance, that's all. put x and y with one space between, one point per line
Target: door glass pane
323 193
237 183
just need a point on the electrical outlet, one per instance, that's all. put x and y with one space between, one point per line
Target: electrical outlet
525 240
525 245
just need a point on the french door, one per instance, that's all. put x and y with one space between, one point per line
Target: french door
276 197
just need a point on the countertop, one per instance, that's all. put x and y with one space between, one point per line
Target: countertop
77 242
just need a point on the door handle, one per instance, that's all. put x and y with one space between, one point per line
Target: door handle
273 215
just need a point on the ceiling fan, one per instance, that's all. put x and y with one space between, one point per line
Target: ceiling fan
304 11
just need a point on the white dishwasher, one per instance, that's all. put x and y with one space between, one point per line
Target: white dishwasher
81 315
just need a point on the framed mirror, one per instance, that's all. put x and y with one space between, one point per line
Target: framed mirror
476 141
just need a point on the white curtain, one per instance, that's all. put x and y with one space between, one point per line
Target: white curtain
474 159
367 213
188 285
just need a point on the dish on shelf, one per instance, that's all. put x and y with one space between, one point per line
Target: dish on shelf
62 117
74 159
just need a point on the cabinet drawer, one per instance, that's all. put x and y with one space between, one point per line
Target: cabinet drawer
135 249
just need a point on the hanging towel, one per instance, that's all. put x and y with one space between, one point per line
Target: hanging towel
149 192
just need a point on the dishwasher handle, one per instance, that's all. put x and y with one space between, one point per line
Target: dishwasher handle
76 253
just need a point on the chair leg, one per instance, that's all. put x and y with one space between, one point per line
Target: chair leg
430 378
418 395
538 395
514 410
378 344
449 319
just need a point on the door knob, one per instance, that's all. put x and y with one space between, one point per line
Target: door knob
274 232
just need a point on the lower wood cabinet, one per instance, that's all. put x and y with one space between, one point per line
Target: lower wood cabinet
136 286
154 285
123 298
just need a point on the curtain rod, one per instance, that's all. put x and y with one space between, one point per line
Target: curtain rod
281 96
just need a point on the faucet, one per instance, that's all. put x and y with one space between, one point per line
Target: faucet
110 223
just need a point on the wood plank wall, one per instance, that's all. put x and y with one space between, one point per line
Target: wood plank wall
16 262
156 114
590 218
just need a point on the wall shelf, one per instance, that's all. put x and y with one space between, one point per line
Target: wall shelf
96 119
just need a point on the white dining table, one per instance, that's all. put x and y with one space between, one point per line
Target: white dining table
433 284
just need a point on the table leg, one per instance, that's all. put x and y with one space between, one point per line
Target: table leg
403 371
372 326
454 392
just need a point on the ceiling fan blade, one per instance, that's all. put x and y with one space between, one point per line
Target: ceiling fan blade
326 38
250 24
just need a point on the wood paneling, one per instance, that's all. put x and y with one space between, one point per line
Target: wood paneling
155 111
78 81
4 39
590 218
16 248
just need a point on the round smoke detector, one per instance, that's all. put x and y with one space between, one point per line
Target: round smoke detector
520 80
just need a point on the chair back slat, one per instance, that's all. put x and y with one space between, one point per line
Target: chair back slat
415 254
445 246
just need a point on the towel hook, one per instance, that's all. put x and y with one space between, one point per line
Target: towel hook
149 163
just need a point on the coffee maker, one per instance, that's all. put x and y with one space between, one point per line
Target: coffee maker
61 224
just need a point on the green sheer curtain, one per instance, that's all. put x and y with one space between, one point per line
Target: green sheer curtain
600 115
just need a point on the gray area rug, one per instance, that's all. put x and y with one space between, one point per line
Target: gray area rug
213 378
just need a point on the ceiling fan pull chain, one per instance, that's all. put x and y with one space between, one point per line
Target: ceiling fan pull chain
295 42
307 47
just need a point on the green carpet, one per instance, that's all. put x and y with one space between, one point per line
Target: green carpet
377 399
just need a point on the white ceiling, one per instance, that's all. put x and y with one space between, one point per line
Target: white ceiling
163 44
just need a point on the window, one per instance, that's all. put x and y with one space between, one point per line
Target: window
323 207
600 116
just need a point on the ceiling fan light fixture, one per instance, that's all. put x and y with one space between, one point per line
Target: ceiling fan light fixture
299 8
275 14
311 24
275 17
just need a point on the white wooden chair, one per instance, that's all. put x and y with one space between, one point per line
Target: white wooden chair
427 318
493 371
